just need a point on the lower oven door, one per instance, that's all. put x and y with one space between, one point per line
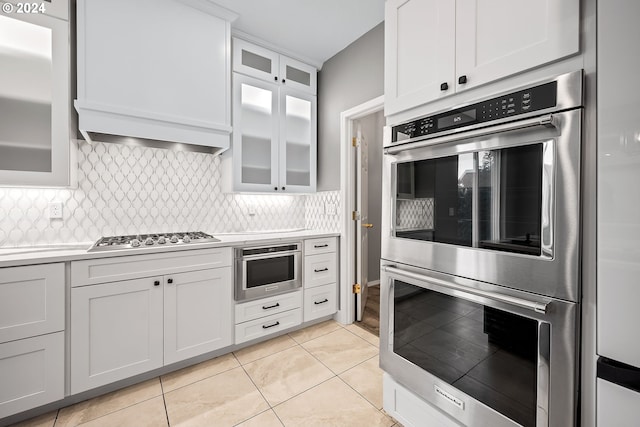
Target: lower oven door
484 354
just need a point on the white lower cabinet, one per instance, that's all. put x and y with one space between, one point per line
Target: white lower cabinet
128 327
116 331
31 336
31 373
320 301
197 313
268 325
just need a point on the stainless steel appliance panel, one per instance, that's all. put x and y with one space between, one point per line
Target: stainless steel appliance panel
459 361
555 272
267 270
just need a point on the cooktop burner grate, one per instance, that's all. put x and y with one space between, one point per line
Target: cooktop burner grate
152 240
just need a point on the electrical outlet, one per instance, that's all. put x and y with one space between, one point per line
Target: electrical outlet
55 210
330 209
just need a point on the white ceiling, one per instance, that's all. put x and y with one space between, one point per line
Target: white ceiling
310 30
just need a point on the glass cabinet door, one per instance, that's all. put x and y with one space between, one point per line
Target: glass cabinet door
255 135
298 75
297 141
34 100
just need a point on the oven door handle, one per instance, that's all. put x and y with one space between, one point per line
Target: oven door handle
547 121
538 307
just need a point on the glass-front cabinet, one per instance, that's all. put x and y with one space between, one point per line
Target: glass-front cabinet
274 130
35 147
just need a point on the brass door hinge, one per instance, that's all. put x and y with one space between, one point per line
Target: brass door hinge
355 215
354 141
356 288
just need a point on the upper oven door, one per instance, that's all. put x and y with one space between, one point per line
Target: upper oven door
499 204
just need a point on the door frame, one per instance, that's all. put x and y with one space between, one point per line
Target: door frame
346 314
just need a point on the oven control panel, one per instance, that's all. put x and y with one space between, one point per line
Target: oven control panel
524 101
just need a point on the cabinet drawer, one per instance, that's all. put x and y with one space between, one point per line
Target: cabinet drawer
320 301
91 272
319 270
31 301
267 306
248 331
319 246
32 372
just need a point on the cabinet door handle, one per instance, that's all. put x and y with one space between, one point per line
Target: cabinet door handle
321 246
169 281
321 302
283 80
271 306
156 283
462 80
275 188
283 188
275 78
270 326
444 86
321 270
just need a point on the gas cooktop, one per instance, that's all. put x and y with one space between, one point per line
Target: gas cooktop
151 240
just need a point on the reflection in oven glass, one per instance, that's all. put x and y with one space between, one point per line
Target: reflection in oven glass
487 353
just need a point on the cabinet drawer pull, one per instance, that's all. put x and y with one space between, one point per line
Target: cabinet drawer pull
321 246
321 302
444 86
271 306
170 281
156 283
321 270
270 326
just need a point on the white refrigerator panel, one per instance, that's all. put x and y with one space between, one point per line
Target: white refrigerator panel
618 181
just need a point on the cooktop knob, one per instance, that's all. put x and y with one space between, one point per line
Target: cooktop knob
186 239
162 240
135 243
149 241
174 239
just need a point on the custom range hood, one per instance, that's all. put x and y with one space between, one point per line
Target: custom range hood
157 75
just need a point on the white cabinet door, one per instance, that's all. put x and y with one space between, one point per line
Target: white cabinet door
31 373
320 269
255 135
498 38
320 301
297 165
419 52
197 312
35 147
116 331
256 61
31 301
298 75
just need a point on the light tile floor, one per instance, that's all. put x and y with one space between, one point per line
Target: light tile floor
323 375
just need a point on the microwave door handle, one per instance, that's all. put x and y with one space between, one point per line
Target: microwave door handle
269 255
538 307
547 121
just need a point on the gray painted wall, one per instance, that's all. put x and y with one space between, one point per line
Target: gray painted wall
372 130
351 77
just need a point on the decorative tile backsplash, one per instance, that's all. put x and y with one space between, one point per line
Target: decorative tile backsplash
414 214
318 217
128 190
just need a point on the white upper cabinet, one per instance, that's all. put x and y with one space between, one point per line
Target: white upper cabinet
419 52
497 38
270 66
155 69
434 48
35 145
274 124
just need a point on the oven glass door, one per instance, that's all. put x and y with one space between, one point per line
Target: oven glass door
487 353
265 271
492 199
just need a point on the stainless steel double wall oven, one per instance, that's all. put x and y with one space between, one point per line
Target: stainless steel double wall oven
480 276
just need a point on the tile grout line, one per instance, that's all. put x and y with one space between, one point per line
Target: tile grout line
164 402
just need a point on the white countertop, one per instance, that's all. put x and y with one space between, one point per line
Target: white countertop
11 257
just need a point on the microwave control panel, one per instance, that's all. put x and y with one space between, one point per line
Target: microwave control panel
524 101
